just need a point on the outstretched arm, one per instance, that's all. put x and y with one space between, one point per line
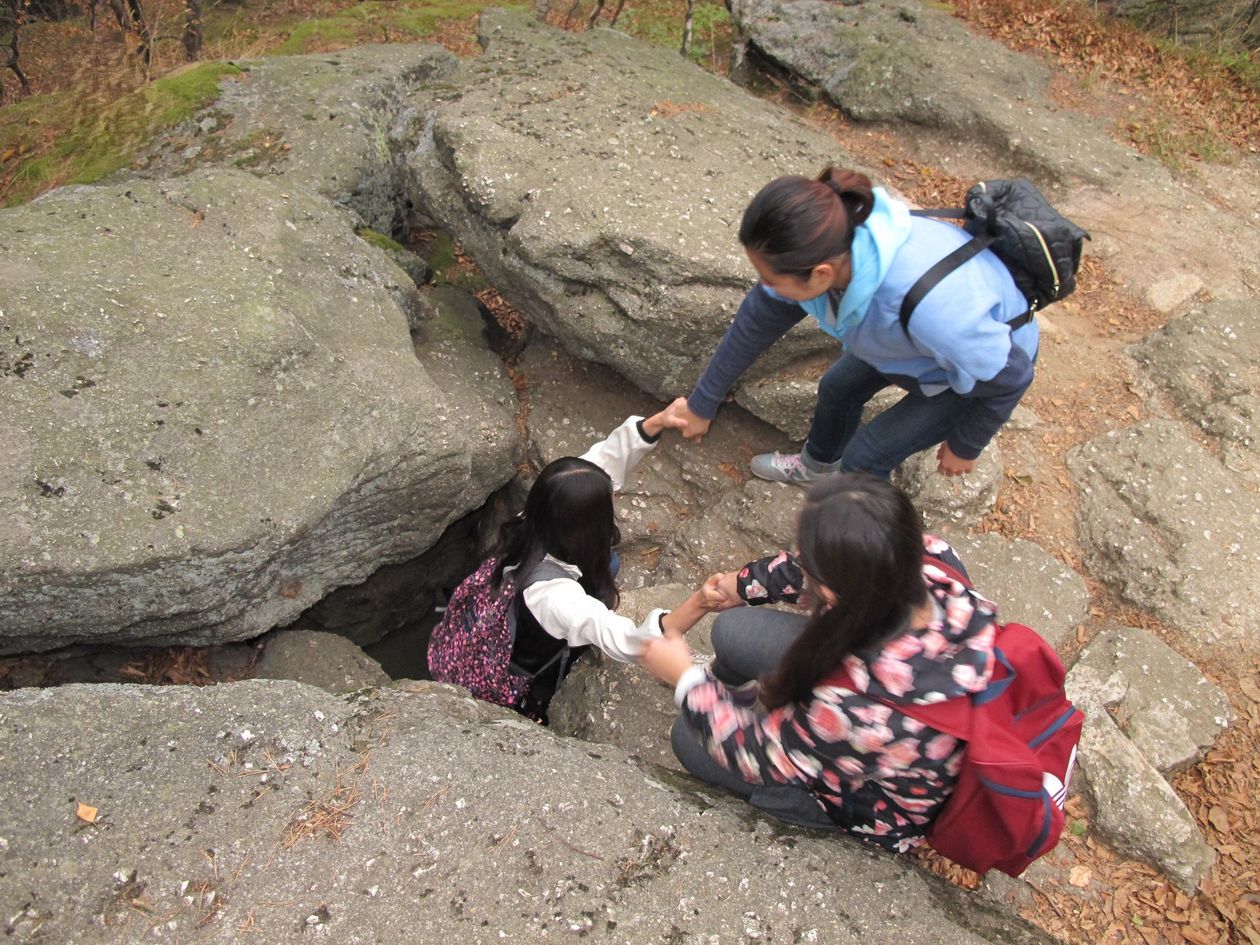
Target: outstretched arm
759 323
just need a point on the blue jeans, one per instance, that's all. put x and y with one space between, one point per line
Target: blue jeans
912 424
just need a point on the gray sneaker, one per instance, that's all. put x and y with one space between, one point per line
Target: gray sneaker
788 467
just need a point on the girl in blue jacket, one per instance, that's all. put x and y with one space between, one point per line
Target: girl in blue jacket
845 253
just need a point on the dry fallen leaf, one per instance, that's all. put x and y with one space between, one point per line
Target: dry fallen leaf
86 812
1219 819
1080 876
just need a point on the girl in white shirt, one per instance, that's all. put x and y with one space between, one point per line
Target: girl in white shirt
558 553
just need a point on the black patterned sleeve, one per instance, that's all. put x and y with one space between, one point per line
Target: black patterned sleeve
770 580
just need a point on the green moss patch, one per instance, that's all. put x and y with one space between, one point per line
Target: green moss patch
374 22
379 240
63 139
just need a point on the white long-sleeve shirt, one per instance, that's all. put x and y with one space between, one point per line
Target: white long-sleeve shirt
561 606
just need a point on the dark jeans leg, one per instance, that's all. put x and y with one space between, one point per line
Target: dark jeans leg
750 641
912 424
789 803
842 394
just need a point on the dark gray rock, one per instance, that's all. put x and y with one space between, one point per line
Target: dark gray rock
1171 529
1028 584
215 414
326 660
1169 710
605 211
395 816
910 63
1209 363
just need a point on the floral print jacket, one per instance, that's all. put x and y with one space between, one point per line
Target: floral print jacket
876 772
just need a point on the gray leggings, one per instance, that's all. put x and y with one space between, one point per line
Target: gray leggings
748 642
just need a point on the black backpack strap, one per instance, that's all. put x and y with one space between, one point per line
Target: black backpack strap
940 213
542 571
930 279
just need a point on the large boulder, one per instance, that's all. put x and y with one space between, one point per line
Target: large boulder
1166 707
1171 529
213 414
322 121
912 63
599 184
1208 361
277 811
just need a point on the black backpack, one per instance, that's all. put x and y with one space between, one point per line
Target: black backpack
1040 246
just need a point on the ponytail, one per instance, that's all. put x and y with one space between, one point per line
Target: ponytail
795 224
854 191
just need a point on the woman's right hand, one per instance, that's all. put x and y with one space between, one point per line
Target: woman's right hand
693 426
721 592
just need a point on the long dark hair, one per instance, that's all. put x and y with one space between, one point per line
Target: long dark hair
861 537
568 515
795 223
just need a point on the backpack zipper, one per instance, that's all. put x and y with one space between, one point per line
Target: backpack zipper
1045 251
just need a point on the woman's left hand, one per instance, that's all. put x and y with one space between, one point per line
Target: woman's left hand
950 465
666 658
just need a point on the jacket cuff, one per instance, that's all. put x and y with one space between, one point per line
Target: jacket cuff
703 407
688 681
965 452
638 425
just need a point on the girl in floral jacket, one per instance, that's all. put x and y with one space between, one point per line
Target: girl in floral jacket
830 752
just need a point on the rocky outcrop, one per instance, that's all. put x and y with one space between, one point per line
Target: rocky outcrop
323 121
213 415
1208 361
1171 529
1148 711
887 61
599 183
281 810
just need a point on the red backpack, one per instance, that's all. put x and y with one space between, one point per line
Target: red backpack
1021 734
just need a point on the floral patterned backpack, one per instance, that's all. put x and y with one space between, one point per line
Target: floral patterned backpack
472 644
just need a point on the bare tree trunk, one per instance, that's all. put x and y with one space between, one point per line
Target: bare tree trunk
17 9
686 40
142 28
599 8
568 17
121 15
192 30
621 5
